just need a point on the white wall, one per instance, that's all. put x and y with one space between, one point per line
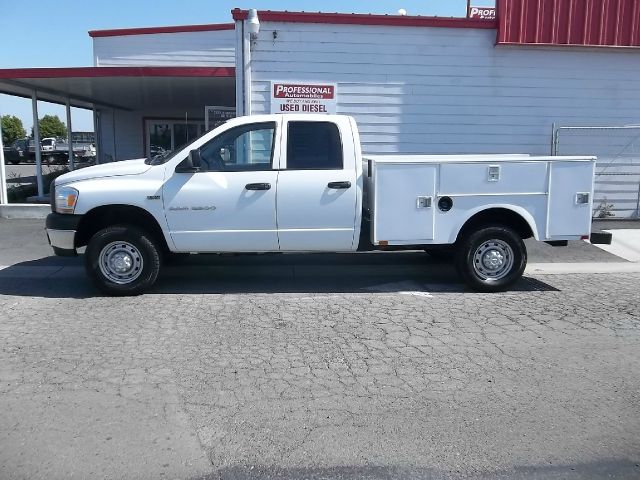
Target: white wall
442 90
205 49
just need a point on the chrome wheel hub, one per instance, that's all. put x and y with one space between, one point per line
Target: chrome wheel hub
493 260
121 262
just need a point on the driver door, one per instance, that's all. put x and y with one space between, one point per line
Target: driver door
230 204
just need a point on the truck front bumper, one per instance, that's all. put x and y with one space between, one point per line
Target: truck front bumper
61 233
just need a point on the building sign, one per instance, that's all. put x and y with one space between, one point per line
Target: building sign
215 116
314 97
482 13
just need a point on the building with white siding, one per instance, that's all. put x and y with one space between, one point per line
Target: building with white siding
414 84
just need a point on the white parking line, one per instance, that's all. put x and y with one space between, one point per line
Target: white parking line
573 268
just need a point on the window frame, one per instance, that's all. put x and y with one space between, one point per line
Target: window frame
254 126
341 145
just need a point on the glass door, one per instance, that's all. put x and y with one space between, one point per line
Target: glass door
165 135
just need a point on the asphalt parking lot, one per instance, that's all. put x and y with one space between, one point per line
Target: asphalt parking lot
373 366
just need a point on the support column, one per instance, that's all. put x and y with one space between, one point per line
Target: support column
69 139
113 131
4 198
36 140
97 125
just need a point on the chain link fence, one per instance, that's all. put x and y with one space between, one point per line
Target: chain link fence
617 183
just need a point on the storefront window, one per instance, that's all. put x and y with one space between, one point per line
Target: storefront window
166 135
184 133
159 139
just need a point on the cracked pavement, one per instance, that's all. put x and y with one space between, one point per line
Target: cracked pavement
398 378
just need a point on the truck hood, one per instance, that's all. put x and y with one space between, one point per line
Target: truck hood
113 169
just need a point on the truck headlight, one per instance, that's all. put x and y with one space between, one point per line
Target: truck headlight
66 199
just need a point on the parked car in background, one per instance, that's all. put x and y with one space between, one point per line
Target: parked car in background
53 151
17 152
56 151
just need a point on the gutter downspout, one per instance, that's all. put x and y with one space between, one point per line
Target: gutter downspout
246 68
239 68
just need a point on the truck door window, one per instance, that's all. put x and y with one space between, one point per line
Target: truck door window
314 146
243 148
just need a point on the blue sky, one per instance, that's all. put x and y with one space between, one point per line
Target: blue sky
49 33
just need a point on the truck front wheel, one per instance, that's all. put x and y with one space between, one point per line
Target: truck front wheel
122 260
491 259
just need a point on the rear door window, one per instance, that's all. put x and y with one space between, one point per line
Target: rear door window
314 146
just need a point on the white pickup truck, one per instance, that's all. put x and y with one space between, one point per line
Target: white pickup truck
299 183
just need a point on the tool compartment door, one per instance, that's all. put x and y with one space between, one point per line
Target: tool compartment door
567 216
404 203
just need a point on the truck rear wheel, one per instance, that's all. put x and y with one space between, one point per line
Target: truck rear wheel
122 260
491 258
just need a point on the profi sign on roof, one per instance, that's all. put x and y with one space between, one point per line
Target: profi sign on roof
482 13
592 23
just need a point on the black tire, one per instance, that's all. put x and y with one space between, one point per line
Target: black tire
134 241
492 239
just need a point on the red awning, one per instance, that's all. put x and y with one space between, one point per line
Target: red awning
127 88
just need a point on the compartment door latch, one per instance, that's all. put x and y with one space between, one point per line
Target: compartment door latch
423 202
493 173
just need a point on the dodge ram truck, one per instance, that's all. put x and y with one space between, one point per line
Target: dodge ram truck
300 183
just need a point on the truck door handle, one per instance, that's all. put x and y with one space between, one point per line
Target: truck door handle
258 186
338 185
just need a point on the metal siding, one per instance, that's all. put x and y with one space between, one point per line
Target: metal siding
569 22
209 48
438 90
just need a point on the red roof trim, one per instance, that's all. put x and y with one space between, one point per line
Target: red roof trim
366 19
74 72
118 32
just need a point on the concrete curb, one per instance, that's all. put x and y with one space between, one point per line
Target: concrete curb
24 210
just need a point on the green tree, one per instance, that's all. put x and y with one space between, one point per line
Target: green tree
51 126
12 129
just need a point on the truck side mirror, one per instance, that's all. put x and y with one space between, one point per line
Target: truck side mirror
191 164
